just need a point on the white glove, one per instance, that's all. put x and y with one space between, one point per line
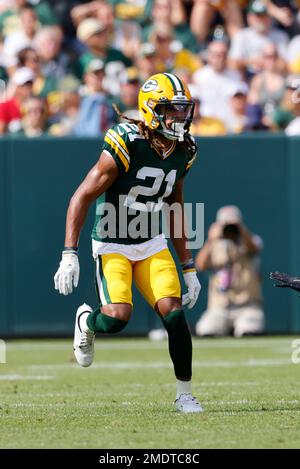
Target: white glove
193 286
68 273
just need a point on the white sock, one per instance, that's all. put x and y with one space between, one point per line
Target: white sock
183 387
83 324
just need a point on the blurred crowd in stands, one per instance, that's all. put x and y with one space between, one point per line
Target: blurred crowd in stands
64 63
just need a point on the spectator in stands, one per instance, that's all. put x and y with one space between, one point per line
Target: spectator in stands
10 20
242 115
96 113
163 13
231 253
146 61
42 86
289 108
127 38
100 10
128 99
67 115
293 126
95 36
124 35
23 37
27 57
213 81
204 12
114 30
268 86
246 52
169 53
48 44
237 118
10 110
206 126
34 120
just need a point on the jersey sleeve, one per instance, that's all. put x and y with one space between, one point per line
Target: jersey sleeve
117 144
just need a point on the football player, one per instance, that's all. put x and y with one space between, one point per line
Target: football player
143 164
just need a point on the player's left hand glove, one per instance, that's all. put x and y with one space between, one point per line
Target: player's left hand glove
68 273
193 285
285 281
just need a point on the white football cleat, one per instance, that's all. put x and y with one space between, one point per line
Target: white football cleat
187 404
83 338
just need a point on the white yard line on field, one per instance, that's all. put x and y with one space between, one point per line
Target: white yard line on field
147 345
154 364
53 404
14 377
150 404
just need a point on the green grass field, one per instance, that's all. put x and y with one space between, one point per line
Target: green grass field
248 387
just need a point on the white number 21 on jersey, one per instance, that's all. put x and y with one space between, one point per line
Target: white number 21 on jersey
159 176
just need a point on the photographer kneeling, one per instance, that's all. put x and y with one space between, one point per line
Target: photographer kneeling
234 298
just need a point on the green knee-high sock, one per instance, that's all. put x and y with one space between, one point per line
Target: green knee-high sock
180 344
99 322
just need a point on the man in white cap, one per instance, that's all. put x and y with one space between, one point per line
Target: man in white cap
10 110
95 35
234 300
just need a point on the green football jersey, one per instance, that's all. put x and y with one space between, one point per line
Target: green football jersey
130 211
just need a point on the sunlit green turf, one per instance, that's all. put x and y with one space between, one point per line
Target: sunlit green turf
248 387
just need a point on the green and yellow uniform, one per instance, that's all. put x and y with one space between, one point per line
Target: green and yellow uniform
128 251
145 180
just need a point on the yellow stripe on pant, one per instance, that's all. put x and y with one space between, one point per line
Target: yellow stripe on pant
156 277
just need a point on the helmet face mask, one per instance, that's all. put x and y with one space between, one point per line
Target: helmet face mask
166 105
175 118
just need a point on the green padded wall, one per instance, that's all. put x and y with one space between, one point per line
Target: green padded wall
257 172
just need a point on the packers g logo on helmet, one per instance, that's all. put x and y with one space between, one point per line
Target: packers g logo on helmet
163 97
149 85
